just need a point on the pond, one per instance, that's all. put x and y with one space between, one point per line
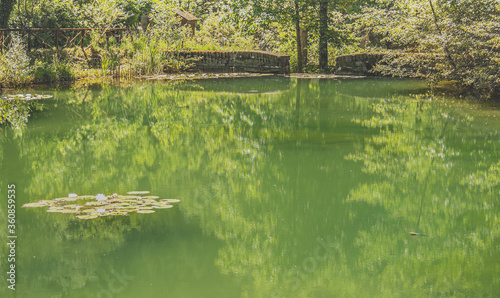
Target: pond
287 188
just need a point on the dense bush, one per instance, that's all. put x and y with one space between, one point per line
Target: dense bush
47 14
14 64
462 36
45 72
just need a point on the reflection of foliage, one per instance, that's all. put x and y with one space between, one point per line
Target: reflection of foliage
489 179
15 112
219 135
264 177
406 133
416 177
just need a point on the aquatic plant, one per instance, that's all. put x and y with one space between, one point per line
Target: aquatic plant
90 206
25 97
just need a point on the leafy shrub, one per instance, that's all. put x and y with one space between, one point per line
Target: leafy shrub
55 70
462 38
64 72
47 14
44 72
14 64
218 34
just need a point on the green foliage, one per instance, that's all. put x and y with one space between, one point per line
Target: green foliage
218 34
462 36
75 14
134 10
6 7
47 14
46 72
103 14
147 55
14 64
52 66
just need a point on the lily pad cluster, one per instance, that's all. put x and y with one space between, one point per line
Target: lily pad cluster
27 96
90 206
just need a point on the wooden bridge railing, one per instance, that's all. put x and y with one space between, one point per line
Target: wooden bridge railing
58 38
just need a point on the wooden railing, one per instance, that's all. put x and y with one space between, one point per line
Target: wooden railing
58 38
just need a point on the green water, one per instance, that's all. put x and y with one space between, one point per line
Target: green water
288 188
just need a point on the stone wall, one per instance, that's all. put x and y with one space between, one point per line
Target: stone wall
362 64
356 64
235 61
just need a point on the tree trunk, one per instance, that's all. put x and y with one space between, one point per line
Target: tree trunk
323 35
5 10
445 45
297 31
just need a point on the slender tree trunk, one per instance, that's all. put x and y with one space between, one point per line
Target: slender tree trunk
445 46
297 31
5 10
323 35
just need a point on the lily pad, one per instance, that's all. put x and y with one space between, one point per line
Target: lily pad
55 209
145 208
66 199
34 205
129 197
86 197
170 200
138 192
145 211
151 197
90 216
163 206
90 207
95 203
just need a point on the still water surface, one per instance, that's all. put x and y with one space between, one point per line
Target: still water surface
288 188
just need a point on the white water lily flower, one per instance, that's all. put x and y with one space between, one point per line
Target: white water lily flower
72 195
101 197
101 210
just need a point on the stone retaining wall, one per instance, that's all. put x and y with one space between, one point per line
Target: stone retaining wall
235 61
362 64
356 64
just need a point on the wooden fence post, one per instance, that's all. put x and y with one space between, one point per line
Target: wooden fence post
82 44
2 38
29 40
56 32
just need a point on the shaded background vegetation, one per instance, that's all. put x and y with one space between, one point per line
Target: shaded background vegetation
460 39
